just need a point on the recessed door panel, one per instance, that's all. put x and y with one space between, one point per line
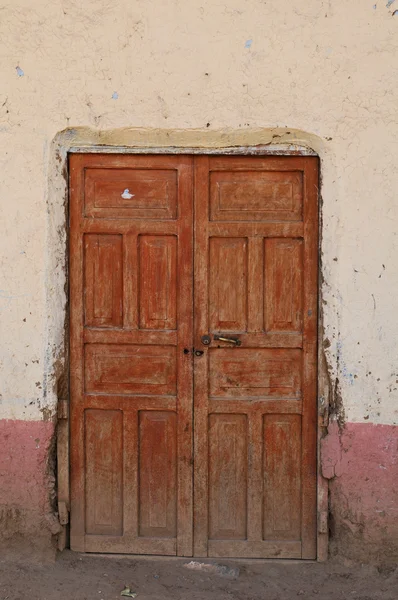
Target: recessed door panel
103 283
130 369
282 476
130 193
158 282
104 480
259 372
283 297
255 194
228 284
227 476
158 474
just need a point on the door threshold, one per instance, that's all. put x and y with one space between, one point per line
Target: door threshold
187 559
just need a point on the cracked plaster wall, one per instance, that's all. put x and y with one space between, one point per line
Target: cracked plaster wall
326 68
202 74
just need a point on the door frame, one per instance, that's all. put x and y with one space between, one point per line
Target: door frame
62 151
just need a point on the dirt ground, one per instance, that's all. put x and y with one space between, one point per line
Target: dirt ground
89 577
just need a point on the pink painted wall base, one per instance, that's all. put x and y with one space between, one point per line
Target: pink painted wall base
28 526
361 463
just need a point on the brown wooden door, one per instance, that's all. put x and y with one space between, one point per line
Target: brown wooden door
136 351
255 403
131 382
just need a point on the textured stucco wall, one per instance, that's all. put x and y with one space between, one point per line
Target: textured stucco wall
320 73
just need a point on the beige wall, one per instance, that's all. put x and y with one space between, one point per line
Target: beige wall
205 74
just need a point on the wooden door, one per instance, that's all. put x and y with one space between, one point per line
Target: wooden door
136 352
131 381
255 394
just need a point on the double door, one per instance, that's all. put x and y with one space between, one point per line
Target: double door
193 299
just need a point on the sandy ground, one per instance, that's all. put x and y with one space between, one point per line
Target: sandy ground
89 577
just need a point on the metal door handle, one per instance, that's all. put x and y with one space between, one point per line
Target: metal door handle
221 338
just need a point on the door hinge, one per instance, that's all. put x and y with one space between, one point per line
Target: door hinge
63 409
322 522
63 513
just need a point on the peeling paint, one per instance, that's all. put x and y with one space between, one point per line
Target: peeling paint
126 194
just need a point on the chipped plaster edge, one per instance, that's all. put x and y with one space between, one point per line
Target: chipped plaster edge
137 141
56 275
259 150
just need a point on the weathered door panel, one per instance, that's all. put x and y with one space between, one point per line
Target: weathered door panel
255 404
131 383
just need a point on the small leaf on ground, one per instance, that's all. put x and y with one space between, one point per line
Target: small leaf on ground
127 592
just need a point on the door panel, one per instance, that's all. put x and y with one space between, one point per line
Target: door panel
149 193
130 369
158 484
282 476
283 290
131 383
255 400
228 287
245 194
141 376
227 476
104 500
157 265
103 280
254 372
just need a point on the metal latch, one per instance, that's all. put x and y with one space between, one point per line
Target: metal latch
221 338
